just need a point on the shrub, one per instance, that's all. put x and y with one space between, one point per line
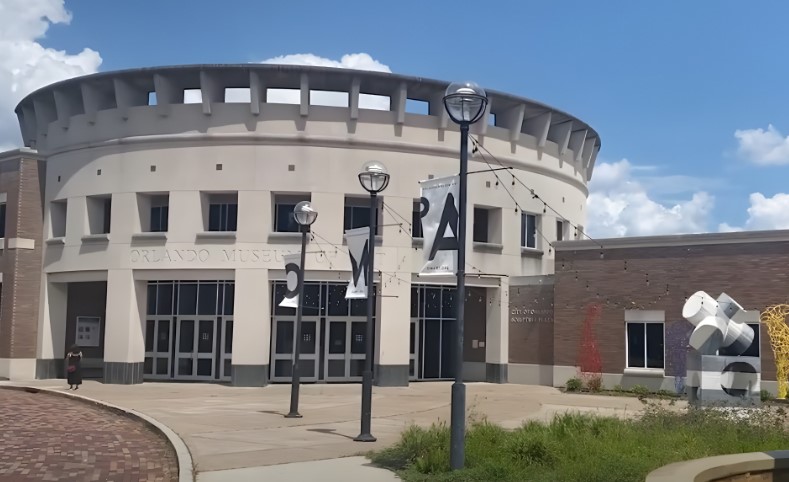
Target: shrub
618 388
530 447
574 385
640 391
585 447
765 395
665 393
595 383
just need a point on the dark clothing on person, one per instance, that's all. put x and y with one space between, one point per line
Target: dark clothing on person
74 368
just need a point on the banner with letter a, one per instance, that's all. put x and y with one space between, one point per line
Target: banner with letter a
358 241
294 277
439 225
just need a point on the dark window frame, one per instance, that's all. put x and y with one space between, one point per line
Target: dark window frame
223 216
481 225
648 355
529 233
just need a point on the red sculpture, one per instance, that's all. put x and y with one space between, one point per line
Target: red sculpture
589 364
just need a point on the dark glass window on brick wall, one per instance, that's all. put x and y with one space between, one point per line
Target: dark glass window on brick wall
645 345
2 220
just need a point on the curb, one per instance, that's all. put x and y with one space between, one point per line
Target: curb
186 469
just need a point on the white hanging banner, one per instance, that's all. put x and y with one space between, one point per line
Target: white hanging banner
439 225
293 275
358 241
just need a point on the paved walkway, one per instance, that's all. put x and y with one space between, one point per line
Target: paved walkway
48 437
229 428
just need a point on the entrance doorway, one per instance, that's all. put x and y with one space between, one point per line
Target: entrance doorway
189 330
433 327
333 340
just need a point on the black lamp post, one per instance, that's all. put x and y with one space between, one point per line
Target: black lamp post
304 216
374 179
465 103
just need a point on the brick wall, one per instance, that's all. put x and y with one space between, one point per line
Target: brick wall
531 323
756 274
21 180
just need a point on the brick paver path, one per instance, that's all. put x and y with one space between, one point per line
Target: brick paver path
50 437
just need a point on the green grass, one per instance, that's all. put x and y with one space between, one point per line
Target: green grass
577 447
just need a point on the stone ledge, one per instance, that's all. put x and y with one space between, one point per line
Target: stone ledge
711 469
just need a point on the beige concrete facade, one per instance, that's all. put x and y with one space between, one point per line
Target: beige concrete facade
118 143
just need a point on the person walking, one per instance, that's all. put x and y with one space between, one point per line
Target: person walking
74 367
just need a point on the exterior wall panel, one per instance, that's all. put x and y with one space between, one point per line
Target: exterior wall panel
753 273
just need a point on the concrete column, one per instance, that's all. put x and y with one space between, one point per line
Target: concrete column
251 328
254 216
76 220
125 217
51 343
329 225
392 330
124 333
186 216
497 333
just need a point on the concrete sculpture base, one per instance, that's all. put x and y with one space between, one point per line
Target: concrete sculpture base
723 380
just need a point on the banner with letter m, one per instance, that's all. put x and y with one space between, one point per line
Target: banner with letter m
358 240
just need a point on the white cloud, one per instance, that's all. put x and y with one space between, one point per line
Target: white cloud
360 61
764 213
25 65
619 205
764 147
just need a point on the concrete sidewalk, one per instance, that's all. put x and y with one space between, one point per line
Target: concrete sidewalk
234 428
332 470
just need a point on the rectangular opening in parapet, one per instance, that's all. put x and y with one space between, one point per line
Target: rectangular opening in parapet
193 96
413 106
283 96
329 98
240 95
375 102
151 98
492 119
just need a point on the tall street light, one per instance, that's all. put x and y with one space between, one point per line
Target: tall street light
465 103
304 216
374 179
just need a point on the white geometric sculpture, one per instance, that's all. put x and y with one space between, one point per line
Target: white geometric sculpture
716 371
715 330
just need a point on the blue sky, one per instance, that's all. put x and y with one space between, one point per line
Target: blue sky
666 84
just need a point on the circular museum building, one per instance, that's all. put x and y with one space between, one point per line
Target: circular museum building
148 217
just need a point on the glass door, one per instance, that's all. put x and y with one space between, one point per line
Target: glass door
283 339
436 349
337 367
194 354
345 350
184 348
157 347
204 356
413 368
226 349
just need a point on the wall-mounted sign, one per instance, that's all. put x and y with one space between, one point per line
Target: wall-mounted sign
88 331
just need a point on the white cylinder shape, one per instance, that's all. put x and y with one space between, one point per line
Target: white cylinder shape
738 338
708 335
700 305
727 306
